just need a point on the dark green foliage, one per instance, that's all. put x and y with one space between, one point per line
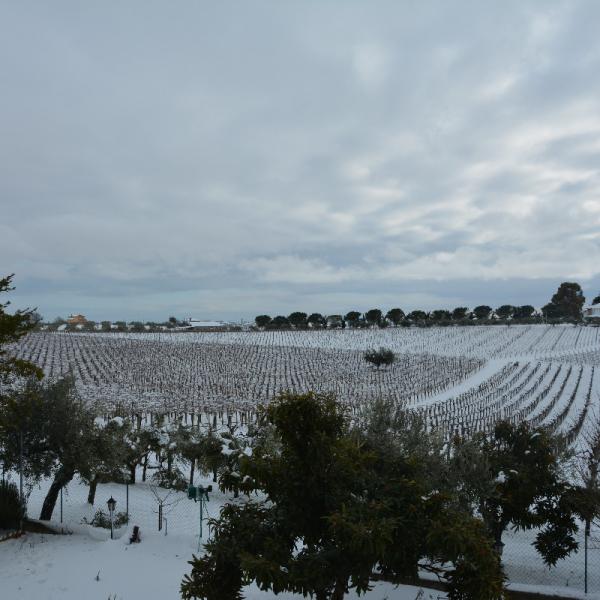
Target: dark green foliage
172 479
373 316
298 319
102 519
317 320
596 300
279 322
505 311
56 427
417 316
352 318
211 458
12 510
440 315
459 313
108 452
383 356
339 504
482 312
12 328
395 315
523 312
525 488
262 320
566 304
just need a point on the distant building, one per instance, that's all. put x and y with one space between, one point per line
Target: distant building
198 325
592 312
76 320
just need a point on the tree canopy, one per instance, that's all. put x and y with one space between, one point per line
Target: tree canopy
482 312
12 328
566 303
335 511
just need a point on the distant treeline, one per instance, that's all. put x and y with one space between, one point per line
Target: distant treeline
565 306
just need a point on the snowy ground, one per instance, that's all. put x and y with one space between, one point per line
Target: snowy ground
36 562
72 567
65 567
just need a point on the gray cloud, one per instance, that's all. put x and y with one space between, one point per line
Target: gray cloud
219 160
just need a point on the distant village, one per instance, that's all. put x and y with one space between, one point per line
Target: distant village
79 323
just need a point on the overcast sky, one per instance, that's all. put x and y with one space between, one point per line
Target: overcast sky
225 159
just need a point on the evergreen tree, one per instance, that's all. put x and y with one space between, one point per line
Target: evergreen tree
352 318
298 319
12 328
482 312
373 316
523 312
280 322
383 356
566 303
459 313
417 316
262 321
335 510
317 320
524 487
505 311
395 315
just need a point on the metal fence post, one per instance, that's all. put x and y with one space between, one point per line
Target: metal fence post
585 572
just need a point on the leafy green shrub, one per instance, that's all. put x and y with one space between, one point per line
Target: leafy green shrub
383 356
172 481
102 519
12 509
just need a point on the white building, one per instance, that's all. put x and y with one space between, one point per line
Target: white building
197 324
592 312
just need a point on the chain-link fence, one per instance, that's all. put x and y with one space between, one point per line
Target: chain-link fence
168 512
523 565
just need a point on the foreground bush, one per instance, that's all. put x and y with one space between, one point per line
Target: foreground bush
336 512
383 356
12 510
102 519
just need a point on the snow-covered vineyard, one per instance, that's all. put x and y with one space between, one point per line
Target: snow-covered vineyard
462 378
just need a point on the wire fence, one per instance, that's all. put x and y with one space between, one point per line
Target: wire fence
168 512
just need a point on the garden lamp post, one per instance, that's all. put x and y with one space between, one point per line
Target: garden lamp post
111 503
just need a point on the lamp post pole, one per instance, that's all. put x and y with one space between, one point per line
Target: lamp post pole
111 503
21 476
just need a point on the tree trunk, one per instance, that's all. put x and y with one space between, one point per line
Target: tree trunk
340 590
132 473
62 477
145 467
321 595
192 471
92 491
215 475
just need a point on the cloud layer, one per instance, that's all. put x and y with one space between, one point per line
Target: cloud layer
220 160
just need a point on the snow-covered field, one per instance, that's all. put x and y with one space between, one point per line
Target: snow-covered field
461 378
